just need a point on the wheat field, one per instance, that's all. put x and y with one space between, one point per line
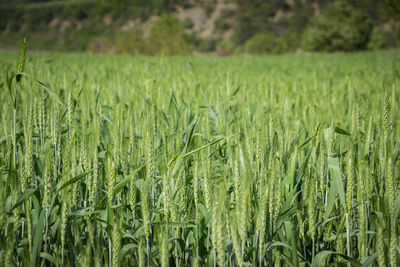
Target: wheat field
288 160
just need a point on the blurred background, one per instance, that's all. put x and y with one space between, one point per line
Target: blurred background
221 27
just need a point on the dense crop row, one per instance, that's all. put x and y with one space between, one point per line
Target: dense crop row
287 160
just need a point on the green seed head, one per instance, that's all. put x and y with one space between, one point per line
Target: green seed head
21 61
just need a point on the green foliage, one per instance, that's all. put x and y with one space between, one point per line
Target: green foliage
207 45
391 8
265 43
227 45
222 25
167 36
131 42
378 39
252 19
289 160
339 27
224 21
71 25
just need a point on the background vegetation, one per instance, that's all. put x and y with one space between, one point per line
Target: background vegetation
253 27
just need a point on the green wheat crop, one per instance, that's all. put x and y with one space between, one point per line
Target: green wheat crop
288 160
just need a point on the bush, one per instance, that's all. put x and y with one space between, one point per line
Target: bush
222 25
339 27
226 45
131 42
253 18
207 45
265 43
167 35
378 40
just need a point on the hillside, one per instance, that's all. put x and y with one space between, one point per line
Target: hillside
181 27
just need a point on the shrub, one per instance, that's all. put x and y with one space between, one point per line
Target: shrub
207 45
378 40
222 25
131 42
338 28
253 18
265 43
227 45
167 35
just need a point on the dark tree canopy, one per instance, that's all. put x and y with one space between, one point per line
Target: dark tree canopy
340 27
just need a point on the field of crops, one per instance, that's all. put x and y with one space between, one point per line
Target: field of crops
288 160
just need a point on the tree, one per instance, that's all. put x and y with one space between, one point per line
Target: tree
339 27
